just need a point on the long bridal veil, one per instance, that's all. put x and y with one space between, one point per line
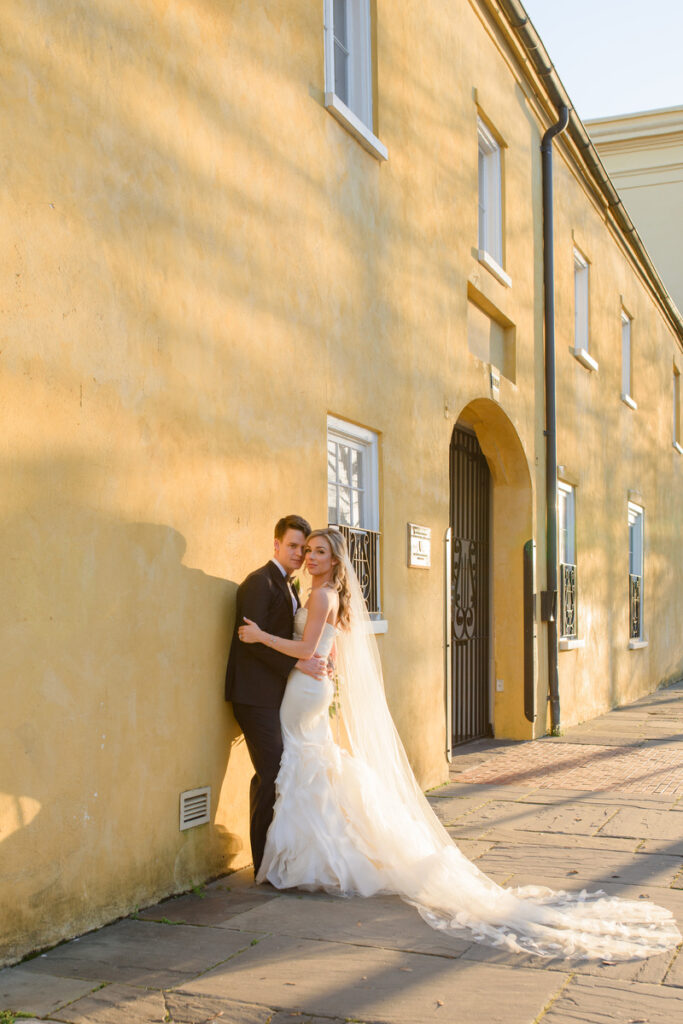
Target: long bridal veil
423 865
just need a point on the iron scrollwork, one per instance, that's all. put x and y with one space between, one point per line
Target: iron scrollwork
567 600
634 606
464 590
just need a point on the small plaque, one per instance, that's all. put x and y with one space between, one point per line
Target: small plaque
419 546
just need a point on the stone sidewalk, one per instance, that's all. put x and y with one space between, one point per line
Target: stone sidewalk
601 807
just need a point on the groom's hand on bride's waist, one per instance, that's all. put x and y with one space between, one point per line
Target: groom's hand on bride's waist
314 666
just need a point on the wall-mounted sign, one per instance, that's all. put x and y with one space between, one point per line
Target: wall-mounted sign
419 546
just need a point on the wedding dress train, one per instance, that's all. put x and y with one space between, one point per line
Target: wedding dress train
357 824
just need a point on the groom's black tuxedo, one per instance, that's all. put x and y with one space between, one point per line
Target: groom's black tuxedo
257 674
255 683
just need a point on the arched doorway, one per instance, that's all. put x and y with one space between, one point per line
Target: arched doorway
492 522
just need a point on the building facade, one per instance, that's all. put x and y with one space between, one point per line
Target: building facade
643 153
280 258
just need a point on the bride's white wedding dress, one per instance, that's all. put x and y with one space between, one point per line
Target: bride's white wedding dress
350 826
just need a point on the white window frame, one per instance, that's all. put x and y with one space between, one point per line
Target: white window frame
581 312
676 425
636 563
627 360
566 551
365 442
490 198
355 110
566 496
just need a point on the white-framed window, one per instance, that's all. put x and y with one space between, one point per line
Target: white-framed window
566 536
677 410
581 312
636 517
348 70
490 201
353 500
627 360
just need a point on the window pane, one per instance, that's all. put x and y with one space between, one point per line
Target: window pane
355 509
344 465
331 462
625 355
344 496
331 503
356 468
339 21
341 51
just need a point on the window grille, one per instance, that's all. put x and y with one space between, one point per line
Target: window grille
567 600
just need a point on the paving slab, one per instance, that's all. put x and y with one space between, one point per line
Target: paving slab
659 801
190 1009
601 1001
370 984
215 907
22 990
524 838
193 1009
572 818
674 975
116 1004
384 921
142 953
665 847
483 790
642 823
593 864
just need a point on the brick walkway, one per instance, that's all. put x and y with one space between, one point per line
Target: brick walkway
546 765
636 749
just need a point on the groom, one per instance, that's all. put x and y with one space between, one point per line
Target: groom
256 675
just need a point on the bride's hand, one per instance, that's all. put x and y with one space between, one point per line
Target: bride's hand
251 633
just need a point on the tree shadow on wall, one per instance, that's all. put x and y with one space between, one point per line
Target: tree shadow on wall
114 655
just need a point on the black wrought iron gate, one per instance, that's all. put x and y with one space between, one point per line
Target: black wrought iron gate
470 497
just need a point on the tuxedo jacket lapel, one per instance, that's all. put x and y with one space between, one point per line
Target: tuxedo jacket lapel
281 582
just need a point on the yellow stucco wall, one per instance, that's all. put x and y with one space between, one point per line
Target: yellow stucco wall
201 264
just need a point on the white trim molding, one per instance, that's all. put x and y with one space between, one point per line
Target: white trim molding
585 358
571 643
355 127
487 260
630 402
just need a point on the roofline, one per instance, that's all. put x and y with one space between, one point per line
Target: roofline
633 114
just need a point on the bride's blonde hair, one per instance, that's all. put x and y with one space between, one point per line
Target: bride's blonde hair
340 580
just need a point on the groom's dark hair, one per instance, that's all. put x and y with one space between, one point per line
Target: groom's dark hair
291 523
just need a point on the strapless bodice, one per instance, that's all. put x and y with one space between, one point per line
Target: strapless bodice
328 634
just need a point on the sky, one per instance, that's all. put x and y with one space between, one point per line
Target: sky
614 56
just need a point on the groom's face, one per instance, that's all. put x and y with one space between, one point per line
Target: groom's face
290 550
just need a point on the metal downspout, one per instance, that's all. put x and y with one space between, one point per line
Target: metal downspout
549 599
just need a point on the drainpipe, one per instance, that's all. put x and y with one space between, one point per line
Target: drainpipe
549 597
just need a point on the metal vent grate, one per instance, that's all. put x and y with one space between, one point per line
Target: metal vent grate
195 807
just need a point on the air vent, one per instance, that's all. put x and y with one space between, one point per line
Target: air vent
195 807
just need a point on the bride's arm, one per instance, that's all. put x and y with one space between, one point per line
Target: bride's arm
319 605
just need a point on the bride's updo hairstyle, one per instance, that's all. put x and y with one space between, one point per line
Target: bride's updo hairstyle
340 581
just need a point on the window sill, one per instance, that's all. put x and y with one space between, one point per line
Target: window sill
378 626
494 267
571 643
678 448
355 126
635 645
584 357
627 400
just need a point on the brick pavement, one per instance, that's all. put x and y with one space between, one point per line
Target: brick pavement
546 765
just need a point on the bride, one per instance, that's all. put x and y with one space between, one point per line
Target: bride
352 820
